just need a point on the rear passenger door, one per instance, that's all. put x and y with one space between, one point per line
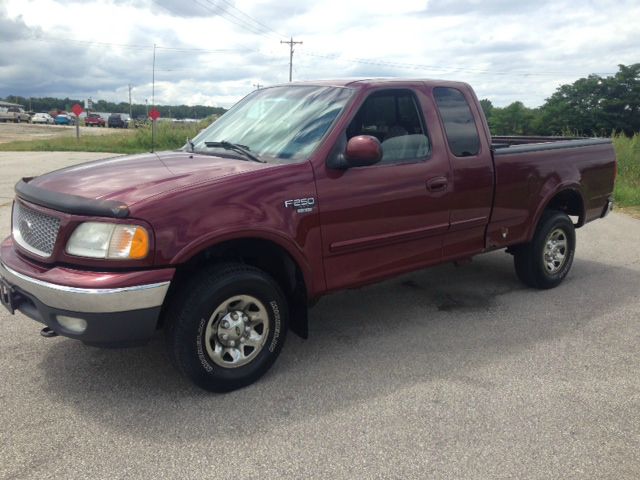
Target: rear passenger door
389 217
471 187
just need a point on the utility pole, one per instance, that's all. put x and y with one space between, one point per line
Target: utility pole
291 43
153 78
258 86
130 114
153 99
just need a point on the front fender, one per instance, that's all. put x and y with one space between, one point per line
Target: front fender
217 238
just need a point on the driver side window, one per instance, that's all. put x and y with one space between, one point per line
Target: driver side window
394 118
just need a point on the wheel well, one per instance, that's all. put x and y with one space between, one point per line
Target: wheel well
265 255
570 202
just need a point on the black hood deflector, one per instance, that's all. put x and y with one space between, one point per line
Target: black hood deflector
67 203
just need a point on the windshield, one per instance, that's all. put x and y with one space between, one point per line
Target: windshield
279 122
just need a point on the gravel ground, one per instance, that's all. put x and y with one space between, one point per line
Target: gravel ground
446 373
10 132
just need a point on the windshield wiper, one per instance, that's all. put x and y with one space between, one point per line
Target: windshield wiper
241 149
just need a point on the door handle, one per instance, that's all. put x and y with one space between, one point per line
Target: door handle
437 184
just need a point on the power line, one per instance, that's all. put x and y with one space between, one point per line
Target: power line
375 62
232 18
59 41
142 47
247 22
253 19
204 69
413 66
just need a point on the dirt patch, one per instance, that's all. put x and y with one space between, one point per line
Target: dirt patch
631 211
12 132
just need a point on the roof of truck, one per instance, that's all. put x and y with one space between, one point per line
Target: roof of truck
376 82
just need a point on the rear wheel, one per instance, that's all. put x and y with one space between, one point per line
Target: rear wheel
227 326
546 260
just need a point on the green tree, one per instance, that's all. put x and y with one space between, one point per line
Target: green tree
487 107
595 105
515 119
48 104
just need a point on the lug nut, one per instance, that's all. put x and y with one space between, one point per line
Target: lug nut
225 324
225 336
242 340
232 343
247 329
234 315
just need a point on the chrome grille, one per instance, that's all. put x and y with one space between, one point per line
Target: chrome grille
34 231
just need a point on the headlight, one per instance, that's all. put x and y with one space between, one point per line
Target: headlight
109 240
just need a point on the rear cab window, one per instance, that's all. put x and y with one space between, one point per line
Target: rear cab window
394 117
459 123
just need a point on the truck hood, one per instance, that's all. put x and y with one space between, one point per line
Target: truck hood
132 178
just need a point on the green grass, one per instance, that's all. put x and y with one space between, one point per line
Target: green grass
627 192
169 136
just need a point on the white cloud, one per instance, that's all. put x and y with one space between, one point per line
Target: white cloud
507 50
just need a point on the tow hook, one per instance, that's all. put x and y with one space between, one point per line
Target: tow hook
48 333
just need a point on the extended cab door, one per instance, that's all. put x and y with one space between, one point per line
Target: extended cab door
472 181
389 217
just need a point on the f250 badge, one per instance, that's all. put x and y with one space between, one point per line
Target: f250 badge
302 205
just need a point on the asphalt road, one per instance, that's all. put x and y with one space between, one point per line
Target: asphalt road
446 373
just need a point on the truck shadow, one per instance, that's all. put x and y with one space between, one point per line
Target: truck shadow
435 324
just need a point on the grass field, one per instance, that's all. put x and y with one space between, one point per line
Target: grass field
627 193
169 136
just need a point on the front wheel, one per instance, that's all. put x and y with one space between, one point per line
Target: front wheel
546 260
227 326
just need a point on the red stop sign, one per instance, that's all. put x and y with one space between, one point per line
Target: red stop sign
77 109
154 114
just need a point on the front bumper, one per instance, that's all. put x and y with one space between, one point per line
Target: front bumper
114 310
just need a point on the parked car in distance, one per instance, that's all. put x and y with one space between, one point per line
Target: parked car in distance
140 121
13 114
20 115
64 119
116 121
298 191
42 118
94 120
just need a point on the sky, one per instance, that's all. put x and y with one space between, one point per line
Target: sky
213 52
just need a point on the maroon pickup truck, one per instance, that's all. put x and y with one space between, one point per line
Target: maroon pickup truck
94 120
298 191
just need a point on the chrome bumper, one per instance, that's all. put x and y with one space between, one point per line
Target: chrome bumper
88 300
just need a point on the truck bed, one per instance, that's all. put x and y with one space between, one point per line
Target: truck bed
519 144
528 170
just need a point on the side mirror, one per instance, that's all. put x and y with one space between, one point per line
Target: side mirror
362 151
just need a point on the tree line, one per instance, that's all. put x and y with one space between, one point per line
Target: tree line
49 104
592 106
